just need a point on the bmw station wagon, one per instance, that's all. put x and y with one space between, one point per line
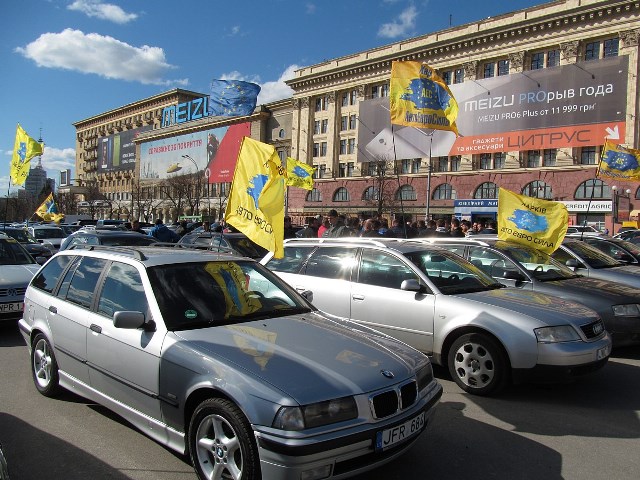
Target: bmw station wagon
436 301
215 357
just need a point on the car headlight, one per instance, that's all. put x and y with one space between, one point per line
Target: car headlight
631 310
560 333
424 376
316 414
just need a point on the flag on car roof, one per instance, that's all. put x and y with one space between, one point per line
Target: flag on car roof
48 211
24 149
299 174
256 200
619 162
230 98
419 97
537 223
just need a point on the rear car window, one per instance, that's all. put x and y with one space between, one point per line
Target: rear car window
332 262
292 261
47 278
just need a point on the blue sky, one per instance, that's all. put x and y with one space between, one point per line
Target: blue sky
62 61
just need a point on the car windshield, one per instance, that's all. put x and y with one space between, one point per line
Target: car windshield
12 253
541 266
593 257
452 274
20 235
206 294
42 233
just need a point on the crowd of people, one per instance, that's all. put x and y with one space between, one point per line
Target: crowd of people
335 225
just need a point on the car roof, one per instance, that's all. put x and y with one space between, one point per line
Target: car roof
106 233
400 245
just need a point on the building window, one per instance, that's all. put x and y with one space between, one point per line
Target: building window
454 163
553 58
351 145
549 157
341 195
316 127
485 161
353 122
321 104
380 91
346 169
345 99
406 192
444 192
458 75
611 47
370 194
314 196
353 97
537 61
503 67
489 69
322 170
538 189
593 189
405 166
343 147
323 149
588 156
486 190
592 51
324 126
499 159
533 158
281 133
316 150
446 76
415 165
344 122
442 164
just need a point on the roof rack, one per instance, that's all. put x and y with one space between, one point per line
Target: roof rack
358 240
129 250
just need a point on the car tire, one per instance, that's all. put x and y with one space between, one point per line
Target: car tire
477 364
221 442
44 367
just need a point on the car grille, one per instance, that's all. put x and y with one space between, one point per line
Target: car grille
4 292
593 330
387 403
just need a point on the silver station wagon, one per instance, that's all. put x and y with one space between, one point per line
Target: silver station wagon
215 357
438 302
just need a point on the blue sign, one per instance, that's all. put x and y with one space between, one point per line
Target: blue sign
185 112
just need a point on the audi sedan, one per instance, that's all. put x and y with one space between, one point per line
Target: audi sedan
17 268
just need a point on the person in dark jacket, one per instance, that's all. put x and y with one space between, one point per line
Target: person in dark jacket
163 234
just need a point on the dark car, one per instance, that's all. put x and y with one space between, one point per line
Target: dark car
621 250
632 235
106 237
31 245
236 242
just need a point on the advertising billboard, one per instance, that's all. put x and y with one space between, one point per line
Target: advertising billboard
118 151
214 151
574 105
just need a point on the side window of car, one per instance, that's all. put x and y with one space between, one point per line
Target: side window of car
332 262
84 281
293 260
383 270
561 256
122 291
48 277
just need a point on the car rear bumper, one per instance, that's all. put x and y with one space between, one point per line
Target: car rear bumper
339 457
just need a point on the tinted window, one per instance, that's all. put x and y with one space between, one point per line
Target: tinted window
293 260
84 281
122 291
12 253
383 270
332 262
48 277
127 240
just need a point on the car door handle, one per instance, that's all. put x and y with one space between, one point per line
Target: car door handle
53 309
96 328
357 297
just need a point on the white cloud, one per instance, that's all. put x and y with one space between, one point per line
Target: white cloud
103 11
54 159
310 8
404 24
100 55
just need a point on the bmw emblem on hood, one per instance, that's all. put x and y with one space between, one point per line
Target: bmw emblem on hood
387 373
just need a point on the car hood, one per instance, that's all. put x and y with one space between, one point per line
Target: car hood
310 357
533 304
594 289
17 275
626 274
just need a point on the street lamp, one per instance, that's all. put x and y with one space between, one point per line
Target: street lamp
198 191
616 201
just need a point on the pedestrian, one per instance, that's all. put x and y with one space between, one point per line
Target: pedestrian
465 227
135 227
370 228
456 229
311 230
182 228
491 228
163 234
337 228
206 226
441 230
324 226
289 231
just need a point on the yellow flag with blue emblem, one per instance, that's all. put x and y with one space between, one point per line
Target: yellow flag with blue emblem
419 97
540 224
256 200
620 163
48 211
299 174
24 149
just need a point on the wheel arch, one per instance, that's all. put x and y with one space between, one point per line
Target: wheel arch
463 330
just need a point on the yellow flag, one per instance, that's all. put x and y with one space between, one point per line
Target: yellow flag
24 149
541 224
48 211
299 174
619 163
256 201
418 97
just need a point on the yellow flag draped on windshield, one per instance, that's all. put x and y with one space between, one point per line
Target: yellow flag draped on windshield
256 201
541 224
24 149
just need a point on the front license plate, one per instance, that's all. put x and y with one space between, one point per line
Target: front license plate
10 307
602 353
392 436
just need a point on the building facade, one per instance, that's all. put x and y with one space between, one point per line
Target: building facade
539 90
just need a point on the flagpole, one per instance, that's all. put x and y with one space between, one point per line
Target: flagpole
395 158
426 218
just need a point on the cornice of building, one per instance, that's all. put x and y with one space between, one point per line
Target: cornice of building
458 43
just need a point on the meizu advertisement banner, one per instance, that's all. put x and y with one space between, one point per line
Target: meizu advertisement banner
118 152
214 151
568 106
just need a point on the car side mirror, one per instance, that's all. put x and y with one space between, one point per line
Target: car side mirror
308 295
411 285
128 319
513 275
41 260
572 263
